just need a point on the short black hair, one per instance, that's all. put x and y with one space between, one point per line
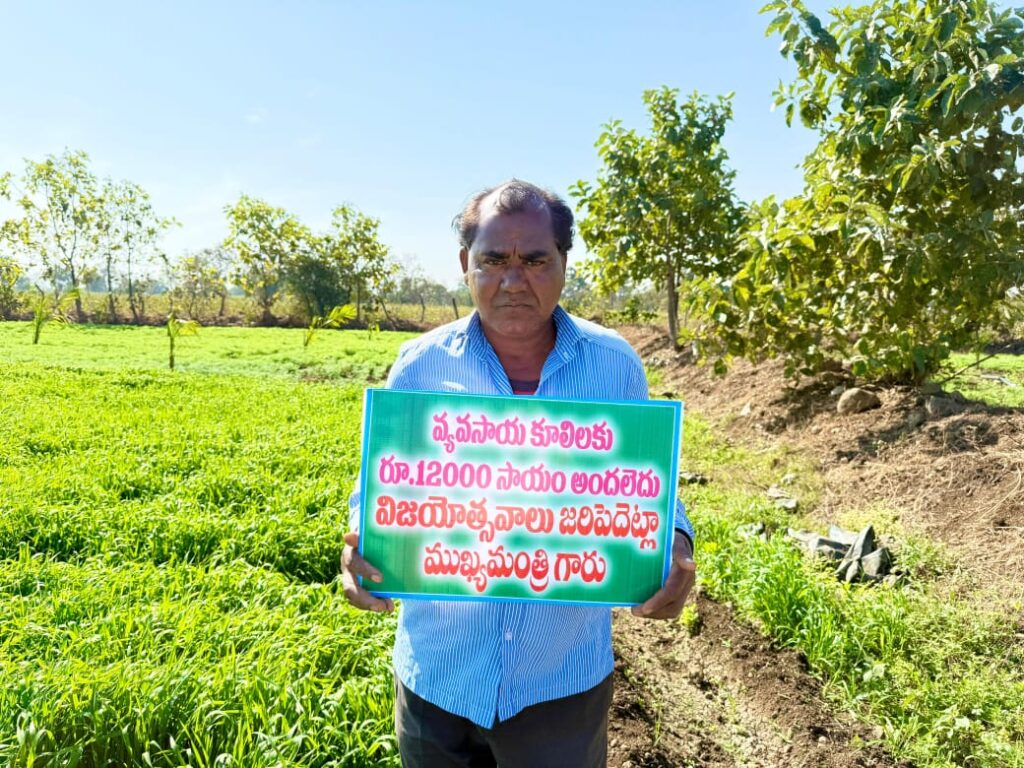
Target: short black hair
516 196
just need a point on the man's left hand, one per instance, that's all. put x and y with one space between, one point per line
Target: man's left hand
668 601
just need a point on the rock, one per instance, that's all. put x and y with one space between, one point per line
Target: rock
841 535
916 418
790 505
877 564
788 479
931 388
856 400
998 379
865 559
941 407
837 390
745 410
752 531
819 546
864 543
801 536
775 492
693 478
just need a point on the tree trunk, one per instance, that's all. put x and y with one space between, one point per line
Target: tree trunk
673 308
359 305
223 305
131 296
111 306
387 315
455 308
79 314
423 309
267 319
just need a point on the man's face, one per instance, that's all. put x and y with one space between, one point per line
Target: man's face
514 272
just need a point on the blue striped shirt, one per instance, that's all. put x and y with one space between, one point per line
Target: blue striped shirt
490 660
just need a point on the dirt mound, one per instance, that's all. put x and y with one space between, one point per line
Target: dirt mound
951 469
723 697
942 466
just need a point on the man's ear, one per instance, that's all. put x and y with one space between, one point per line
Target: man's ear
464 260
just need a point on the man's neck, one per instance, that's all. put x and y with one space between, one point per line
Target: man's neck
523 358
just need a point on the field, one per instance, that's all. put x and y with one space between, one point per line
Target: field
169 544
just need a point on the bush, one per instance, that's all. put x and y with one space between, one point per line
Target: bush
907 237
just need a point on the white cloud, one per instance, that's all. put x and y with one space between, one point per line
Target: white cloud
257 116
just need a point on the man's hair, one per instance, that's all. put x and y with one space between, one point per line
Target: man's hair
515 196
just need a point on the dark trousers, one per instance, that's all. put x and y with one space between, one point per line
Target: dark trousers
563 733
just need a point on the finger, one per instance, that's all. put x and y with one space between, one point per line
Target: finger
360 598
353 562
677 587
667 611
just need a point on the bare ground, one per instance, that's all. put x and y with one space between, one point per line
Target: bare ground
726 697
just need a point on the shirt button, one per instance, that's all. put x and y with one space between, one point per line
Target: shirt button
508 636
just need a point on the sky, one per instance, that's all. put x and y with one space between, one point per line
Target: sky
402 109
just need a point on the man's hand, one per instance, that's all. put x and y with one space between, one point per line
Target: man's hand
668 601
353 565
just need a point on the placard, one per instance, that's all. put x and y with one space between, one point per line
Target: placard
518 498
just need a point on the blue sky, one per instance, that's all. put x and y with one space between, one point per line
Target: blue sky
402 109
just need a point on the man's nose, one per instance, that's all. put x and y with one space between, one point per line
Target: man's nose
513 278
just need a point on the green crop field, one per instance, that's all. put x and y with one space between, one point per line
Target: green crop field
997 380
168 545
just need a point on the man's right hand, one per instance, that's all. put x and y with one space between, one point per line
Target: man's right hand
353 565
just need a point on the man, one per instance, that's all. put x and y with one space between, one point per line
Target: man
518 685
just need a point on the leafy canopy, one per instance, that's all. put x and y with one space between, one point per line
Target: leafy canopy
663 207
908 233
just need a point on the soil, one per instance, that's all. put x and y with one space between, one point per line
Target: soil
725 696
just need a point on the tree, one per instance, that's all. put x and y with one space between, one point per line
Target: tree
337 318
412 286
317 274
353 241
175 329
202 277
663 207
908 234
44 310
60 202
129 229
264 238
10 273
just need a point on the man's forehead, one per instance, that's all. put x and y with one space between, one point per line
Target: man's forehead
529 229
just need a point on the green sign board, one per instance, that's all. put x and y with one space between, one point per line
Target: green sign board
518 498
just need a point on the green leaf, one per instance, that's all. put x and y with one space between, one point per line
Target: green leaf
949 24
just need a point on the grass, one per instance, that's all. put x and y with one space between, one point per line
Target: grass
169 547
977 383
360 356
941 674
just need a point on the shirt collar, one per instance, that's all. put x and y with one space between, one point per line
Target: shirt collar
567 335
